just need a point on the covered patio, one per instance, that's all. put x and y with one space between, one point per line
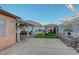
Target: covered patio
24 30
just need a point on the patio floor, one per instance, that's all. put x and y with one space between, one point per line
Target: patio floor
34 46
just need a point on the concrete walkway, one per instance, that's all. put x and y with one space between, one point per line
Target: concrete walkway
34 46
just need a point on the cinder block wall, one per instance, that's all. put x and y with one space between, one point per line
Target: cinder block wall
10 32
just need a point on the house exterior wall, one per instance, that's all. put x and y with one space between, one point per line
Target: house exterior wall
35 29
50 27
75 26
38 29
10 32
61 28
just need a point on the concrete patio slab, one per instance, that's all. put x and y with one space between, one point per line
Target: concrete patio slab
35 46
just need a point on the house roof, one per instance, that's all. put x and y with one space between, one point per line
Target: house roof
33 23
50 25
9 14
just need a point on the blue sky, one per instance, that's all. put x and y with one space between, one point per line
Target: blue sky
42 13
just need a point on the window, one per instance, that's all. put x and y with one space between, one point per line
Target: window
2 27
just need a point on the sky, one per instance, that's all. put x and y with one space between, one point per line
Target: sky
42 13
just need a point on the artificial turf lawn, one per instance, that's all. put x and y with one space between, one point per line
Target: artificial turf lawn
41 35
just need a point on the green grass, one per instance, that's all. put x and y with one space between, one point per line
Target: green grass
41 35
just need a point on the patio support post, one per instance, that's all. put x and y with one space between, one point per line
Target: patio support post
32 29
18 32
56 30
28 31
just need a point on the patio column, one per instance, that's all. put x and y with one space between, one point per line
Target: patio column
18 32
56 30
28 31
32 29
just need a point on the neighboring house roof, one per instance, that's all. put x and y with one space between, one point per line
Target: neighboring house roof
50 25
9 14
33 23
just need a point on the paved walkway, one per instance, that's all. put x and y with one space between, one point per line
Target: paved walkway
34 46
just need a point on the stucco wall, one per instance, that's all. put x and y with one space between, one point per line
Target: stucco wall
50 27
10 32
